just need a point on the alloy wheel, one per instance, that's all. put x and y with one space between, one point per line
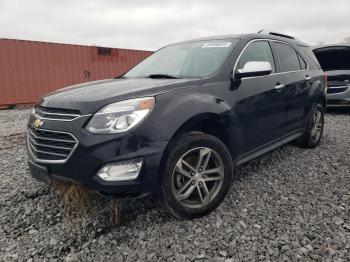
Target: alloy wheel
197 177
317 126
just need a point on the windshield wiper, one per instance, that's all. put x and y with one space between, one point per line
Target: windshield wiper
163 76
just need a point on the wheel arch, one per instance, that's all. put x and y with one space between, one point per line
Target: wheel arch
208 123
317 95
321 99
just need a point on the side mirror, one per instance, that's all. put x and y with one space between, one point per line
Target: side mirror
254 68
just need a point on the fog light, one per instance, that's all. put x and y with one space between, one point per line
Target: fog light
121 171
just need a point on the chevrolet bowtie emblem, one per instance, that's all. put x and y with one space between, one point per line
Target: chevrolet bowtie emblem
38 123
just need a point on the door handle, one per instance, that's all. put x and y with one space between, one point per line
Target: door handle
307 78
279 86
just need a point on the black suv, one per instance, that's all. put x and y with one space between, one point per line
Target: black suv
180 122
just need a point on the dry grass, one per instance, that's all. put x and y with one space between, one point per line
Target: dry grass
79 202
114 210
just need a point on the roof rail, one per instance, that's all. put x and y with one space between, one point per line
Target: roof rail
267 32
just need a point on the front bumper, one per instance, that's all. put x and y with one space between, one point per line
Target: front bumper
339 99
93 152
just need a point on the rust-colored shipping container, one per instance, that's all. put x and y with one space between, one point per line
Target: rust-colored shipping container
29 69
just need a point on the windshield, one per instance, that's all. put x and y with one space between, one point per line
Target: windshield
185 60
334 58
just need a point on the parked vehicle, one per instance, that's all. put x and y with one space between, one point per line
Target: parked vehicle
335 61
180 122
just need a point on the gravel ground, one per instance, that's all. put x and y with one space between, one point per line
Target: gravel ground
291 204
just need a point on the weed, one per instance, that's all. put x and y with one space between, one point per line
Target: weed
79 201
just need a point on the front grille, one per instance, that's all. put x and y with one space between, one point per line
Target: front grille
50 145
56 113
336 89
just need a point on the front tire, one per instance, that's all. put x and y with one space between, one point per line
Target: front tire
314 130
197 176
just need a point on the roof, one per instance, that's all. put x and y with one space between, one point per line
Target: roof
251 35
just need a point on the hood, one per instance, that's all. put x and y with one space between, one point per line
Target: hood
91 96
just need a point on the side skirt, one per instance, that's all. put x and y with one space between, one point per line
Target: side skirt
269 147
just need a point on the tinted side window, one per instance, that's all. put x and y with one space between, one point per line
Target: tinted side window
306 51
302 62
288 57
257 51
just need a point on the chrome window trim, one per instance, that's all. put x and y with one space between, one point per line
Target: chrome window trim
45 161
245 47
277 73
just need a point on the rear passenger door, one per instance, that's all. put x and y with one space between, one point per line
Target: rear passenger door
260 106
295 79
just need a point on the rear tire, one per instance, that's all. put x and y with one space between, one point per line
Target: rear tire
197 176
314 129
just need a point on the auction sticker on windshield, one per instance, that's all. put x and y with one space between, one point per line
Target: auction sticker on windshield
216 44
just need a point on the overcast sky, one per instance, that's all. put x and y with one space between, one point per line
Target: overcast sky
151 24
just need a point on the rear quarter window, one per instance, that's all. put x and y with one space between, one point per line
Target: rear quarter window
288 57
302 62
310 55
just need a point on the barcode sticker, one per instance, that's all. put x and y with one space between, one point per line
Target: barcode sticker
216 44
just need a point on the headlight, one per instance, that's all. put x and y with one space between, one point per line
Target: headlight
120 116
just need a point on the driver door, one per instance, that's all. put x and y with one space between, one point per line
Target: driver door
261 107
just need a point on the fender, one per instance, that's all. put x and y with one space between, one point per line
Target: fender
316 93
194 104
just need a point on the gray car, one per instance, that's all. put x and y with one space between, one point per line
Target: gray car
335 62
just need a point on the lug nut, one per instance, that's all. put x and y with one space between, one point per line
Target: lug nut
200 169
192 182
192 173
200 183
204 176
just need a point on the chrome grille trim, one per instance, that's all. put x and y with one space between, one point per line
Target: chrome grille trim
50 114
50 146
45 152
50 139
43 148
338 86
337 89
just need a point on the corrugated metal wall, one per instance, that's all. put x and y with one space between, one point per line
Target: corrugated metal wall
29 69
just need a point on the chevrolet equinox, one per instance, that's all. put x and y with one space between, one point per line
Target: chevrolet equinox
179 123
